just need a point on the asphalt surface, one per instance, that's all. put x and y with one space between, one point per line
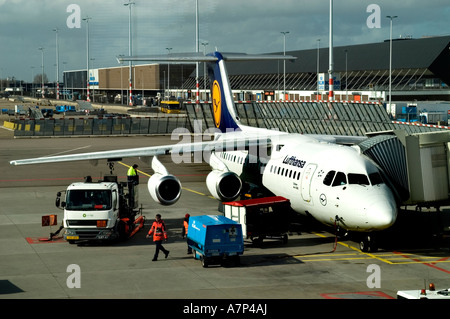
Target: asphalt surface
312 265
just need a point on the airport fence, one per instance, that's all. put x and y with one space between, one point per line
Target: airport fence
111 126
307 117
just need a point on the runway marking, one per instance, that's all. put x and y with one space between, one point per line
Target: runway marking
44 240
357 295
429 264
184 188
391 258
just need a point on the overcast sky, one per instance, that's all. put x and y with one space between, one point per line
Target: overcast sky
249 26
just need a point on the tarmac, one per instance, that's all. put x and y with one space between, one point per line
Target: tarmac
312 265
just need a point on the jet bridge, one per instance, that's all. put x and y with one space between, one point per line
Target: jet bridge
416 164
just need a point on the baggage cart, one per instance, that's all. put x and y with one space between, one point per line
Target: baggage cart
261 218
215 239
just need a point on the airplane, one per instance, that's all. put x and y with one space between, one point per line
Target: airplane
333 183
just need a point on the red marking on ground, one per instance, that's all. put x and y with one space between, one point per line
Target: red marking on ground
358 295
44 240
432 264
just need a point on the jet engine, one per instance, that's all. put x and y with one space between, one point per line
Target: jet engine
162 186
164 189
225 186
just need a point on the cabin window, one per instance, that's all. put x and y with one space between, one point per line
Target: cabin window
359 179
329 178
375 178
340 179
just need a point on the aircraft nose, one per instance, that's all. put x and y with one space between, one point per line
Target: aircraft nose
382 214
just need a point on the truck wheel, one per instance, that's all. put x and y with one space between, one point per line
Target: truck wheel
204 262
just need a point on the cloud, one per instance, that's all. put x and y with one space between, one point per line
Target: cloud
251 26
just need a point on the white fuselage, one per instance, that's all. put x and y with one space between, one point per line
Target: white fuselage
326 181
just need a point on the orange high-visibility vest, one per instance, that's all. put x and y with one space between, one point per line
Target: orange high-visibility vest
158 230
186 226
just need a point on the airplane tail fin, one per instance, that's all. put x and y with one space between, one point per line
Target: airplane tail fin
224 112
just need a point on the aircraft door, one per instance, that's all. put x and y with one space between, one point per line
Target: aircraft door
306 182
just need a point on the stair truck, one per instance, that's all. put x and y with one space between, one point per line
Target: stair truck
215 239
261 218
100 211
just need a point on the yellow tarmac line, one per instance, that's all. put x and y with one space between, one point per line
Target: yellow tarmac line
358 250
390 258
184 188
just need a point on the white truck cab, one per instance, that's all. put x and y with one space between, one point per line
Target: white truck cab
96 210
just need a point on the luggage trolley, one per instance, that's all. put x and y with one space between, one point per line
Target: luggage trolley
261 218
215 239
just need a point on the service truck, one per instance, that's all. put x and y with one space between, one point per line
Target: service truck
100 211
430 293
215 239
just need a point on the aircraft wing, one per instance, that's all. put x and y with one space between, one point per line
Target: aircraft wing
228 144
339 139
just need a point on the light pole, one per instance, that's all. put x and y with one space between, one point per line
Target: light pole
331 60
346 69
284 63
390 59
42 77
204 67
57 64
168 73
318 67
197 50
87 58
129 4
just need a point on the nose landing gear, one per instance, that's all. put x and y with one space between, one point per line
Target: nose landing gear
368 244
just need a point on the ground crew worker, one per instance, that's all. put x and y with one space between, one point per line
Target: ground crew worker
133 181
158 230
132 175
184 231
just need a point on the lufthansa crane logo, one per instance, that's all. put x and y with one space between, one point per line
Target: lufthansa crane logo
217 103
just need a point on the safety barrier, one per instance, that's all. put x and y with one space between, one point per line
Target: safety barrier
114 126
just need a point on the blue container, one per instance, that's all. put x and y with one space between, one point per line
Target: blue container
215 239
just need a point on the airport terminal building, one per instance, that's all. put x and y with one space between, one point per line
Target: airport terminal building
420 71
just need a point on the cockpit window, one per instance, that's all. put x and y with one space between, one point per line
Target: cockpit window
340 179
359 179
375 178
329 178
